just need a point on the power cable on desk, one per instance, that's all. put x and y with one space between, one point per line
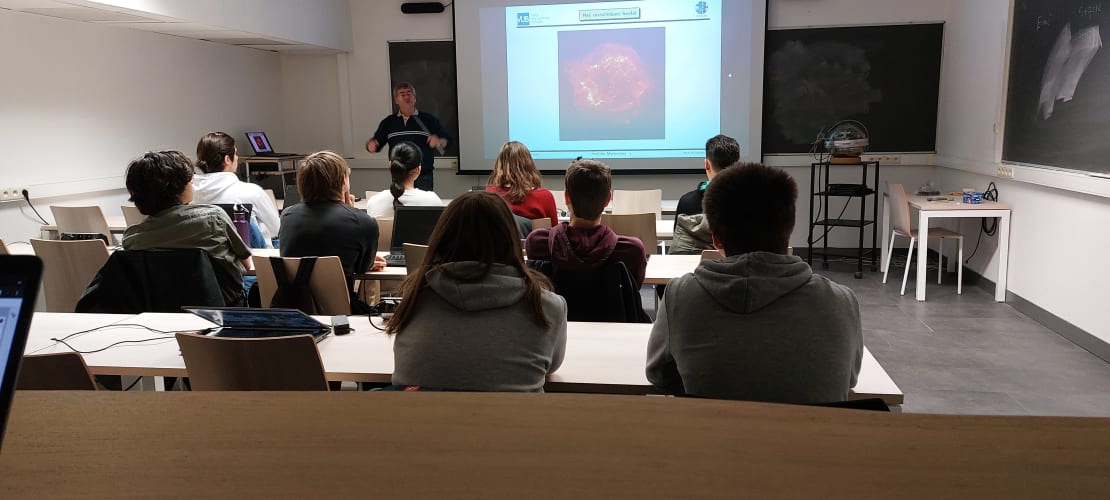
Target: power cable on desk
109 346
166 334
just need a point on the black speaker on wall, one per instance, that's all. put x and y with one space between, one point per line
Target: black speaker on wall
422 7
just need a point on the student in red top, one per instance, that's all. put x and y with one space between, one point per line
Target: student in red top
516 179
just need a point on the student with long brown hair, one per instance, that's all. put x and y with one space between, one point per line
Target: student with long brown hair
474 316
516 179
217 181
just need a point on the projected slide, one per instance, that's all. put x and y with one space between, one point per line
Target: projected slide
598 79
639 84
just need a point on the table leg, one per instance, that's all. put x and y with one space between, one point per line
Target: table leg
922 251
1003 256
886 232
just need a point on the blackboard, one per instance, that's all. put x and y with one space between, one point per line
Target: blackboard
886 77
430 67
1056 105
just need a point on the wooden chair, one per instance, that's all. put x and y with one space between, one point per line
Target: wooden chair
3 248
711 254
81 220
385 233
640 225
328 284
560 200
541 223
273 197
414 256
64 371
68 267
263 364
900 224
131 215
638 202
370 193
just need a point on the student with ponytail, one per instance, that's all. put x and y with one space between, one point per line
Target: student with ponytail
404 168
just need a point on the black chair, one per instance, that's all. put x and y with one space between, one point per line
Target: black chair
607 294
133 282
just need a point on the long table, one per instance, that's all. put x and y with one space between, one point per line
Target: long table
600 357
455 445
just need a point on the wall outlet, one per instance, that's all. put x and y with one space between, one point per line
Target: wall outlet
1005 172
11 193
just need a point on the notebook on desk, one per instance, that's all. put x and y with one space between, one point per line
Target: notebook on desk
19 288
262 147
246 322
410 225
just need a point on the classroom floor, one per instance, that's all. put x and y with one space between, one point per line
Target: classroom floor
966 354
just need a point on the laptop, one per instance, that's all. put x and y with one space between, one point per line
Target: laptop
253 323
291 196
19 288
410 225
262 147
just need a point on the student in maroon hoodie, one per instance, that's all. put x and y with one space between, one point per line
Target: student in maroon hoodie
584 243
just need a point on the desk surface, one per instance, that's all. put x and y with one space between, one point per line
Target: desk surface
455 445
600 357
922 203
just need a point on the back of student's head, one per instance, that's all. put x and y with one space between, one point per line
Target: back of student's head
750 207
404 158
588 184
321 177
515 170
212 149
156 181
722 151
477 227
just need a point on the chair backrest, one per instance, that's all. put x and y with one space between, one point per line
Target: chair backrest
370 193
712 254
3 248
414 256
541 223
640 225
68 267
560 199
64 371
81 220
385 233
899 208
131 215
262 364
270 193
638 202
606 294
327 285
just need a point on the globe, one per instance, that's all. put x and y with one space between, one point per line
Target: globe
847 138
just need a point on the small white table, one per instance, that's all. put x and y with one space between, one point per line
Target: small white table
928 210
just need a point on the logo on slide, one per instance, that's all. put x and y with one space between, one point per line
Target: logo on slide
701 8
522 19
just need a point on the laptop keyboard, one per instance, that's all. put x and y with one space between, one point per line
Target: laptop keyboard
395 260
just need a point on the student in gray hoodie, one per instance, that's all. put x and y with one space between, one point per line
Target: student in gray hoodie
758 324
474 317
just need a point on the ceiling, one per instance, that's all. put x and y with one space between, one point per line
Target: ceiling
117 16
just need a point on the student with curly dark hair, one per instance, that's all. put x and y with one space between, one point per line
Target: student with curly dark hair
160 185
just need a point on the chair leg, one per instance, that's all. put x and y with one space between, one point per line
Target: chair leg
909 259
889 253
940 258
960 268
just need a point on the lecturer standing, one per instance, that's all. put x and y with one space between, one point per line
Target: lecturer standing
408 124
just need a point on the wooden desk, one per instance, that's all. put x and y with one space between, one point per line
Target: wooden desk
500 445
600 357
287 164
928 210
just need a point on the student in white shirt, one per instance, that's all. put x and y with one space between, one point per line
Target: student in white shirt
218 182
404 167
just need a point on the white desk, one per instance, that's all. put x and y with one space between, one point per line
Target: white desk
116 224
600 357
661 269
928 210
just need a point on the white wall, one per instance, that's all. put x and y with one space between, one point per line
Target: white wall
1057 238
80 100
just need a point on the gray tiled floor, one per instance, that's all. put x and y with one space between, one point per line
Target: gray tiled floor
966 354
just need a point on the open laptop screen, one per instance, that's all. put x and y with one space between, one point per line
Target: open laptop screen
259 142
413 225
19 287
252 318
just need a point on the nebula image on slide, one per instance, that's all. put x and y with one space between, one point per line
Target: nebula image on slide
612 84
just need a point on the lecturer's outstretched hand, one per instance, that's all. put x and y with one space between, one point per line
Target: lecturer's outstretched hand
372 145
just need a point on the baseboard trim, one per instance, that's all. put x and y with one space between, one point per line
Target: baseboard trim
1062 327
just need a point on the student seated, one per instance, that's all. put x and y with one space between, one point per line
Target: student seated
404 168
758 324
516 179
475 317
691 231
326 222
584 244
218 182
161 188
